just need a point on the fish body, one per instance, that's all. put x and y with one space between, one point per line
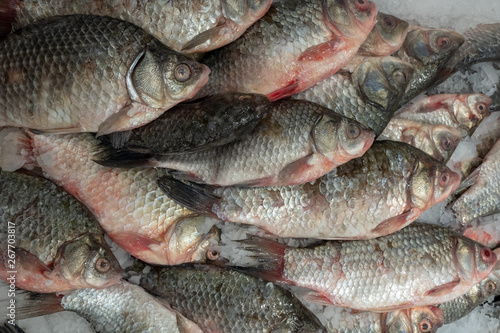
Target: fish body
188 127
295 45
420 265
427 50
128 204
185 26
297 142
90 74
49 240
399 180
439 141
482 198
464 112
222 300
368 95
386 37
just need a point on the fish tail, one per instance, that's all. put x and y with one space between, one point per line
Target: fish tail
15 149
29 304
196 197
8 13
118 158
268 259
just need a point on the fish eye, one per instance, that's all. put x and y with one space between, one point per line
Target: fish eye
425 326
481 107
446 144
362 4
102 265
399 76
443 180
353 131
490 287
444 42
182 73
213 255
486 255
389 22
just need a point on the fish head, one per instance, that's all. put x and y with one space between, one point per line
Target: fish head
382 81
244 12
87 262
432 46
491 285
424 319
444 140
351 18
386 37
471 109
474 261
335 136
431 182
161 78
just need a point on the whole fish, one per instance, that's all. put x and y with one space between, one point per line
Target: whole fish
463 305
439 141
123 307
424 319
221 300
427 50
297 142
50 242
370 196
464 112
295 45
419 265
368 95
128 204
482 198
90 74
185 26
386 37
213 121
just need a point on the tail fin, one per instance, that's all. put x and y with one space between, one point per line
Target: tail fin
198 198
15 149
8 13
109 157
29 304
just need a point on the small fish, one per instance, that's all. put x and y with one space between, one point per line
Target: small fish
82 73
119 308
220 300
369 94
439 141
187 127
185 26
295 45
424 319
482 198
420 265
370 196
128 204
386 37
464 112
427 50
50 242
297 142
463 305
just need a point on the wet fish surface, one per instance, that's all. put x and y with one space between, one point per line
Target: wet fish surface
386 37
82 73
368 95
295 45
297 142
185 26
221 300
400 181
57 244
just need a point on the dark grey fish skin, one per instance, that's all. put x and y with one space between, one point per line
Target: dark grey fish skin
213 121
220 300
427 50
8 328
369 94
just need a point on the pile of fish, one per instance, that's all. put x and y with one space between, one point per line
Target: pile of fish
163 125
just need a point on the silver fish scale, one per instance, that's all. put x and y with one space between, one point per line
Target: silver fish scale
275 41
482 198
340 94
78 59
335 205
383 272
229 301
345 322
119 309
45 216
